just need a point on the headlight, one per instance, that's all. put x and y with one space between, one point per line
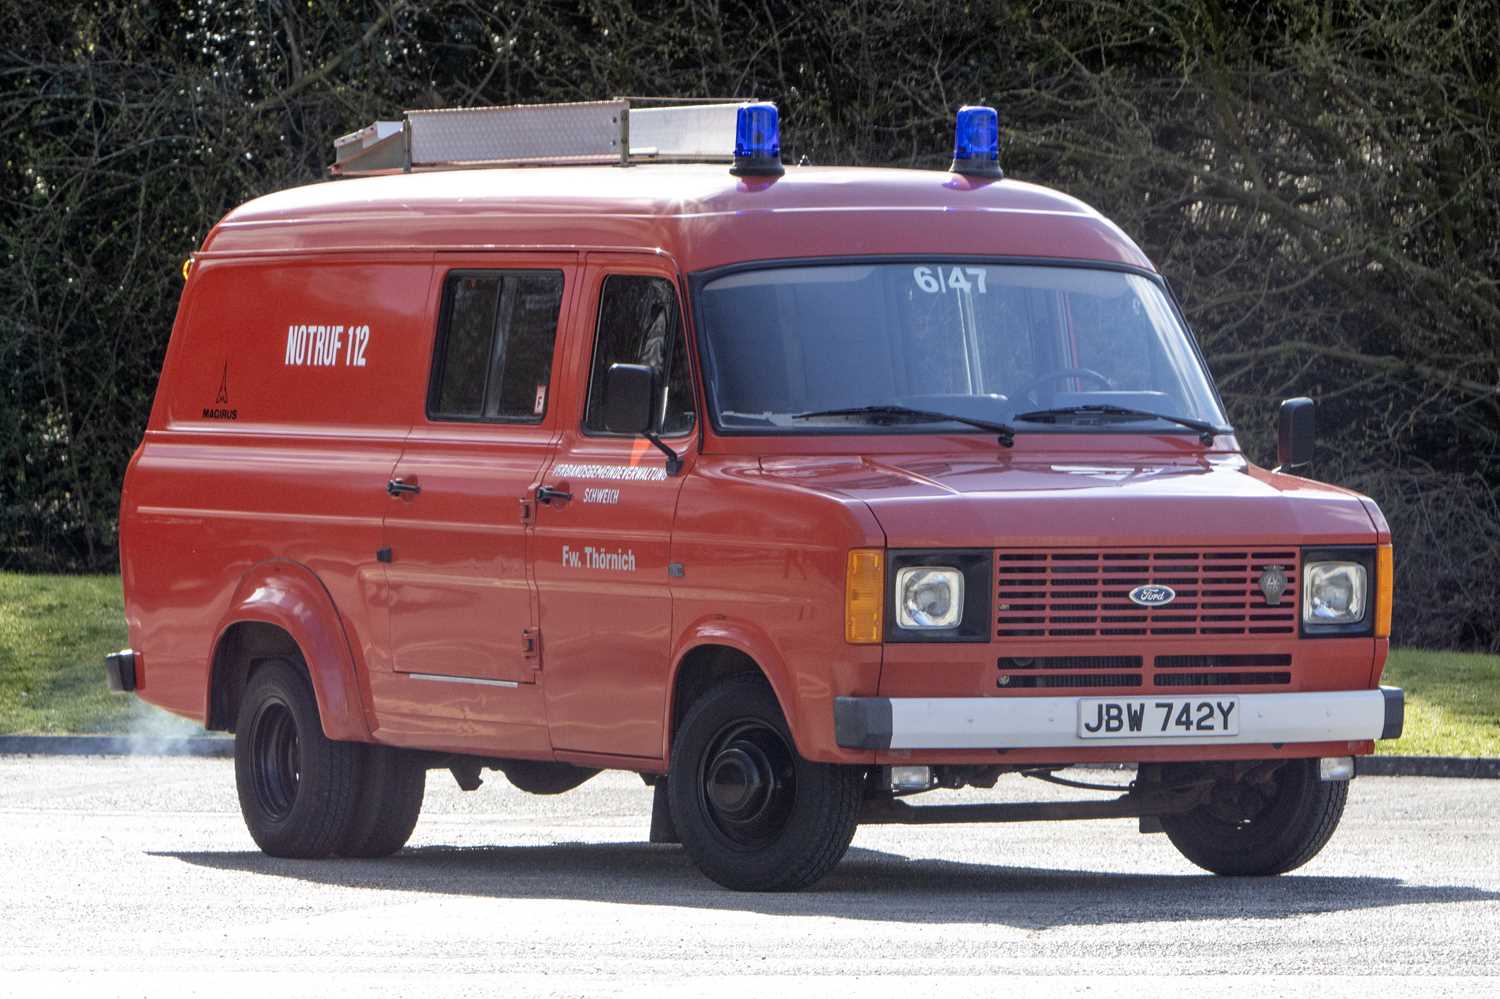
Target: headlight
939 595
1334 592
929 597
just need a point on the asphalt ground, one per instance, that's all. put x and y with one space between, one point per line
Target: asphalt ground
135 876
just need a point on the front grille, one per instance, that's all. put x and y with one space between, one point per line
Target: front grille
1229 670
1221 662
1070 662
1221 679
1034 672
1068 671
1068 593
1008 682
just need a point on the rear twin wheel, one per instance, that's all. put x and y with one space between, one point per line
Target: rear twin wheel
304 795
387 804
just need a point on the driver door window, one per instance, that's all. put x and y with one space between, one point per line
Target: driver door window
640 323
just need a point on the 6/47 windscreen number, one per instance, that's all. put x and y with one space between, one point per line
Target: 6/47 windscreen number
937 279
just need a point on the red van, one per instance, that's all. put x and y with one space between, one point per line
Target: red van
799 492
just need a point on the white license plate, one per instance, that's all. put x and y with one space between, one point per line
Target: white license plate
1157 717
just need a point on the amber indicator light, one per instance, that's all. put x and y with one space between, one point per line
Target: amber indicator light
864 596
1385 585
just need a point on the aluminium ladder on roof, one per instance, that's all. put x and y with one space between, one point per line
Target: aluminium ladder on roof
610 131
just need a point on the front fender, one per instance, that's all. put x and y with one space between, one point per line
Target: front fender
290 596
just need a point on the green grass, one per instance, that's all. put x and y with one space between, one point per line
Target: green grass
54 634
1452 703
56 630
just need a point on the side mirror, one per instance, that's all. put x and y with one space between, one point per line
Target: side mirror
629 390
1295 436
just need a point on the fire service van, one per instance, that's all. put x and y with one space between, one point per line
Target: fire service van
565 438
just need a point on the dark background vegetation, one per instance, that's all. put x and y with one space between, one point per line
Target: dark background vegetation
1319 182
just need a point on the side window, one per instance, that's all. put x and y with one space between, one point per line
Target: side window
494 346
639 323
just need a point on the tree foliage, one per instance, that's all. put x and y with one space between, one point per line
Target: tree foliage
1319 181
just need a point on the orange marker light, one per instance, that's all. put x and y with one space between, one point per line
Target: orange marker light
864 596
1385 588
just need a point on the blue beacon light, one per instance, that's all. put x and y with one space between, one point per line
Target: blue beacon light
757 141
976 142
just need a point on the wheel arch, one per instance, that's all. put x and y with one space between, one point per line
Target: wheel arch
716 648
281 609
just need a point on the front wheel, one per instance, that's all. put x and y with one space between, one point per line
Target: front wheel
752 814
1263 828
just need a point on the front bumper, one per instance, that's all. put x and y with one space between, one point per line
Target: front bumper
1052 722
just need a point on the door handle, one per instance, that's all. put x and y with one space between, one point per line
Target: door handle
546 494
398 486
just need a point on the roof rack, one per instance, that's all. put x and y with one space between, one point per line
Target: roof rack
621 131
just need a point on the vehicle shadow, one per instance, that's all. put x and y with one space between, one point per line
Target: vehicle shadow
868 884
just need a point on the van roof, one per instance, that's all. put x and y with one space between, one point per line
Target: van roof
699 213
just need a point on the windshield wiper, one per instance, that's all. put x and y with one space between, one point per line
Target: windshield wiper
891 414
1206 431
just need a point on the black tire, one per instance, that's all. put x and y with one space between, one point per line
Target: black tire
1261 829
751 813
296 786
387 802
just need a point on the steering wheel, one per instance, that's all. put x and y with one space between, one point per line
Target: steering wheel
1057 374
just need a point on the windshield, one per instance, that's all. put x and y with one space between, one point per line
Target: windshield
987 342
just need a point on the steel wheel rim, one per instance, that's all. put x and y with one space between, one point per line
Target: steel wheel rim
747 783
1260 806
276 757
